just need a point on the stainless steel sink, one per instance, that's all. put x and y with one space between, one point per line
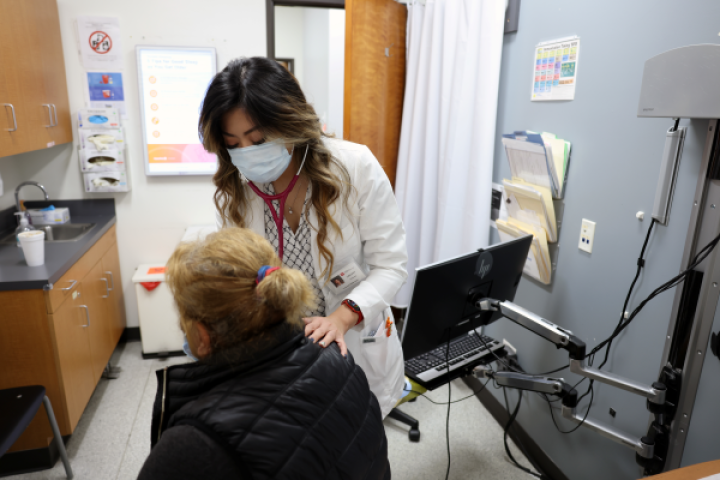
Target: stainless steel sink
70 232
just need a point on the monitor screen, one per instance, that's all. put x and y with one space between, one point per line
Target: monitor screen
173 82
444 295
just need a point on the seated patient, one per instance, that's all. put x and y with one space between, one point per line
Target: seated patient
262 401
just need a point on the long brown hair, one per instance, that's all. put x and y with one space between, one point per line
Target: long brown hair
213 282
273 99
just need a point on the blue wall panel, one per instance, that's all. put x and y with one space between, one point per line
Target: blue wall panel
612 175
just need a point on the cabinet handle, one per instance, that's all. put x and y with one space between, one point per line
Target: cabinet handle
72 285
12 109
55 114
107 289
87 315
112 281
49 114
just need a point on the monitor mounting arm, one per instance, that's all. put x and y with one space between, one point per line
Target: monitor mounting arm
565 339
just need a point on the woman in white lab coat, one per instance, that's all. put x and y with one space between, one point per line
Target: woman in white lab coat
333 203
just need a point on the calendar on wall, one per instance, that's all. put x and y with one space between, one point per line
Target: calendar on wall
555 70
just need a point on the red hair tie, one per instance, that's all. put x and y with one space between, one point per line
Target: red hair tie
264 272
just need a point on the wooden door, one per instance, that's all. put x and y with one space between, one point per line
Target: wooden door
72 337
96 291
116 302
375 77
53 73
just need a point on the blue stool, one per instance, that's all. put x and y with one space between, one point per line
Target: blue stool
18 407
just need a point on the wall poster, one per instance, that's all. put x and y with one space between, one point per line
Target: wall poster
555 69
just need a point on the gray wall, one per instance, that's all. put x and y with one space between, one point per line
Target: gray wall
612 175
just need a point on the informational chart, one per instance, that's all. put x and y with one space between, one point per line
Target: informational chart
555 68
173 82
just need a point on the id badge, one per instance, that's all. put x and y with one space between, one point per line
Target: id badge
346 278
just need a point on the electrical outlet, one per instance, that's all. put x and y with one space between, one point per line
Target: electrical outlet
587 235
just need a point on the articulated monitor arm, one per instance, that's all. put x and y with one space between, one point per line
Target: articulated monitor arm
655 393
643 446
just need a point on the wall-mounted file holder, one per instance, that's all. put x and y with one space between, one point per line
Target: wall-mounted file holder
101 151
539 159
539 165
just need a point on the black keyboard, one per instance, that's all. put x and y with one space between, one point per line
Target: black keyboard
460 349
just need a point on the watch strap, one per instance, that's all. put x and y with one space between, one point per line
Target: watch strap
355 308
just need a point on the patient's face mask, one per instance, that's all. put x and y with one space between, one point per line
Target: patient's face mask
188 352
261 163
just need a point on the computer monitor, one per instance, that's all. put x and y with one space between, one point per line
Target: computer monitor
443 300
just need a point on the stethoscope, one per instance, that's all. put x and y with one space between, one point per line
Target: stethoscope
282 197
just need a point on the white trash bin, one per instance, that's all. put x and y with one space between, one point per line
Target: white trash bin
160 331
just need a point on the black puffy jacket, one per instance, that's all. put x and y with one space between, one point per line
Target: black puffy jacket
292 411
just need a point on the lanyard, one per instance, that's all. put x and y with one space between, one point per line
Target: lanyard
279 217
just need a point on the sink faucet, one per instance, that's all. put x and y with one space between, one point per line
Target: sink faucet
17 192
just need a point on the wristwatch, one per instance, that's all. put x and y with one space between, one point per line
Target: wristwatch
355 308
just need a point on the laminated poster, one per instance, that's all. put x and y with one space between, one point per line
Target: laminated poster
100 43
555 69
105 90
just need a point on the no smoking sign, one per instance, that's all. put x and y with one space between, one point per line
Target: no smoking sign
100 42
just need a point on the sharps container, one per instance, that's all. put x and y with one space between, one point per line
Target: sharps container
160 331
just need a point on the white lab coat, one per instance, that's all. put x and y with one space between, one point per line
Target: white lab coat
374 237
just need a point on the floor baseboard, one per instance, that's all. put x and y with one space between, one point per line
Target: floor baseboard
536 455
26 461
130 334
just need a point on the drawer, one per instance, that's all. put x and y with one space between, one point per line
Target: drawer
63 288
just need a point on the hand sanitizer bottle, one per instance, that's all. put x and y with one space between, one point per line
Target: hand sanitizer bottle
24 226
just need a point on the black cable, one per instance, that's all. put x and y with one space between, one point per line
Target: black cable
592 398
447 419
422 394
507 430
640 265
699 258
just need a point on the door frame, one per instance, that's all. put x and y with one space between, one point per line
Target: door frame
270 15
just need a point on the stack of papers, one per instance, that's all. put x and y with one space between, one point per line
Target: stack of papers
531 205
538 264
539 159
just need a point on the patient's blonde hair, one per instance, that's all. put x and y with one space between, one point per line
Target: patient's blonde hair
213 282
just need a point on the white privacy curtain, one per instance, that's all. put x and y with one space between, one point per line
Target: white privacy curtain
445 162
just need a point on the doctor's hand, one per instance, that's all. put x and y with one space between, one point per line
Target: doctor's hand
325 330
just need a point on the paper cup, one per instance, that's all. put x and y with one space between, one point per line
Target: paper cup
33 245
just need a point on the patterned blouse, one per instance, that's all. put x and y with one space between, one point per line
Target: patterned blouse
297 247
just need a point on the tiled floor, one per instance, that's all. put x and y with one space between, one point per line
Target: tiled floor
112 439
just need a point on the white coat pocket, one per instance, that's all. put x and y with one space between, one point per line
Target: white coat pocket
375 351
381 359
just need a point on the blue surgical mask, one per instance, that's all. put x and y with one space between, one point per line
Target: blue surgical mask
261 163
188 352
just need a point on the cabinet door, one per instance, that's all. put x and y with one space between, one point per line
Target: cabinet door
96 293
73 345
33 75
53 73
20 85
116 301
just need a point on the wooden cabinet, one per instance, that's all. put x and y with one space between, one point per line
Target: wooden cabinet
34 107
63 338
72 340
115 301
96 291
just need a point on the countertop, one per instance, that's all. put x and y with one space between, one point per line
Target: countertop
15 274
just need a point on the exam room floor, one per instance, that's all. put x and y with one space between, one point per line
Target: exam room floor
112 438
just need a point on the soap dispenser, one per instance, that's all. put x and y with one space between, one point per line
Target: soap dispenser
23 226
